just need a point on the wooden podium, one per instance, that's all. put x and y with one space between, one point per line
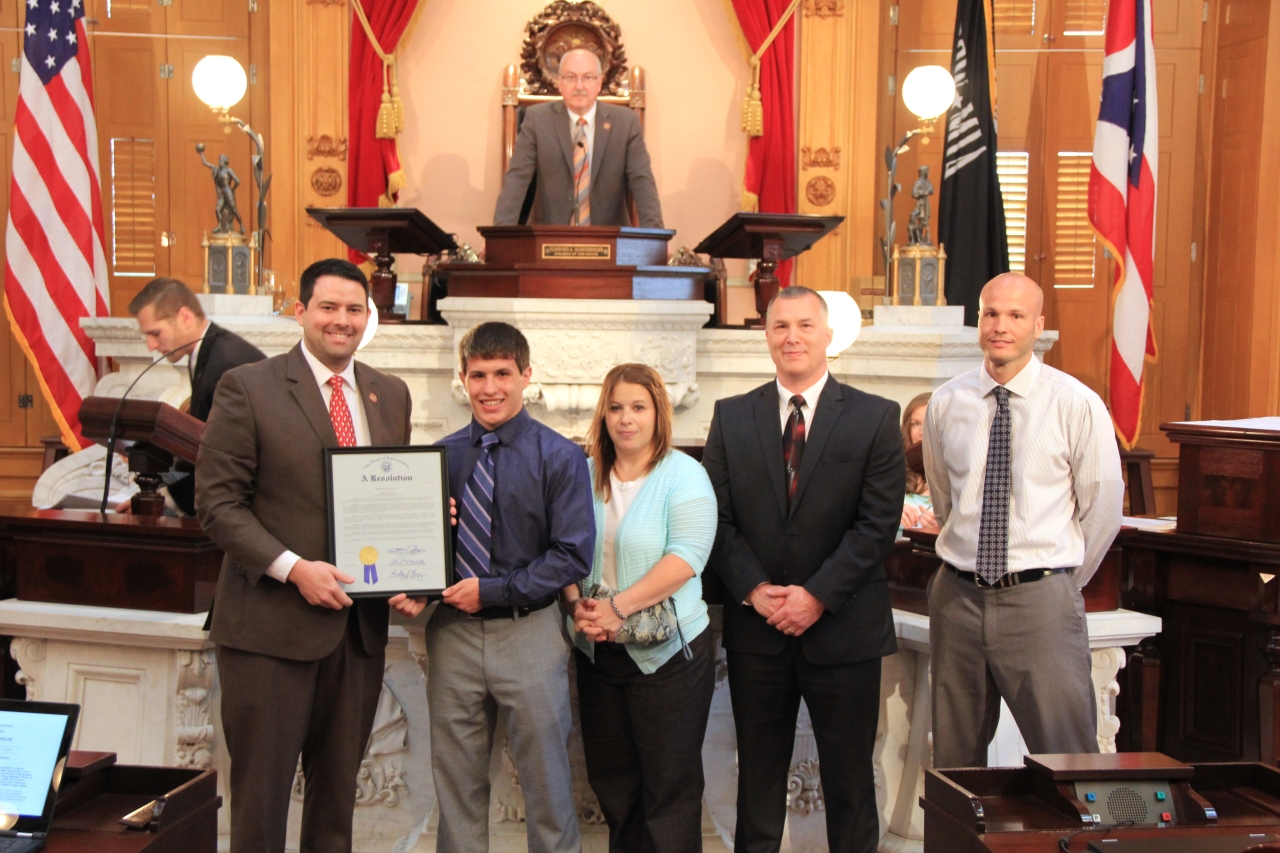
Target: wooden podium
770 238
1215 582
576 262
159 433
381 232
143 561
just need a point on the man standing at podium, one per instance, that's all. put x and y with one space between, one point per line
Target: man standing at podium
173 323
300 665
584 155
1024 473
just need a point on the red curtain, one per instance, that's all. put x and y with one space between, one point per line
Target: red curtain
771 158
370 161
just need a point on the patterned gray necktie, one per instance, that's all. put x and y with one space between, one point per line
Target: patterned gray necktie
993 531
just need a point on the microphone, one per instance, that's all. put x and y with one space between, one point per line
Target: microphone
115 419
576 179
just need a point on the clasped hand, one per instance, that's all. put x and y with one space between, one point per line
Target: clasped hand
790 609
596 620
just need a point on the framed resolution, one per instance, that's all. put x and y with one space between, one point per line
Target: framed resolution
389 519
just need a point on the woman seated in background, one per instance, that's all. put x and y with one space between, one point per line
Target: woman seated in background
645 662
917 508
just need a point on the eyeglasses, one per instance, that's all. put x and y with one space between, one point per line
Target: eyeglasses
572 79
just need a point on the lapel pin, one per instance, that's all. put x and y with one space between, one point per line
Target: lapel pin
607 125
373 398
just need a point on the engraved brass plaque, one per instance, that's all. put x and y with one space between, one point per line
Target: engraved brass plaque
576 251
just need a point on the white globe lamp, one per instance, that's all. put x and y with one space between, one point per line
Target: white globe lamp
928 91
845 318
219 81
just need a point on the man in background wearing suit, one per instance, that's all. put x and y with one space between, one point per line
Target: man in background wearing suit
300 665
809 475
585 156
172 321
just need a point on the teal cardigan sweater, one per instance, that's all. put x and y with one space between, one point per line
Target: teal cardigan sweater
673 513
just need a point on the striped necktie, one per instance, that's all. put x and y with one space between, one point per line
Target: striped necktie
582 175
475 516
993 528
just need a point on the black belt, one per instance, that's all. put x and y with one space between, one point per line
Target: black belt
1009 579
508 612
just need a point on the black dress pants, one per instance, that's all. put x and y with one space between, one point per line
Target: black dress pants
642 735
844 705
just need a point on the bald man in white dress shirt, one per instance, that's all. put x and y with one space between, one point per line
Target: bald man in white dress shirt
1024 472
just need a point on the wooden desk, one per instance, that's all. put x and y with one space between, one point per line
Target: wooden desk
96 792
132 561
1220 602
1027 810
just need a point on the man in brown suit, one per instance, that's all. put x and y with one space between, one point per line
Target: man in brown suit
300 665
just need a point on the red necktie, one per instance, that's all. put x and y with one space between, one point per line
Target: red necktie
793 446
340 414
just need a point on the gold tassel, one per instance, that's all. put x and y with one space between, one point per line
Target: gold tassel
750 202
752 107
396 103
385 128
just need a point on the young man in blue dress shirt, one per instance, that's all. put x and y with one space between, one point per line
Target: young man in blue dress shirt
525 530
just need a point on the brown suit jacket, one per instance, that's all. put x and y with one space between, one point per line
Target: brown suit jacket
260 490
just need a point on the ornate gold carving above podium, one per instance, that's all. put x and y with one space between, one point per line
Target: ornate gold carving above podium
326 181
820 8
820 191
326 146
820 158
564 26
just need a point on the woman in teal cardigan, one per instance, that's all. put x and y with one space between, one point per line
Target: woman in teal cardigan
644 702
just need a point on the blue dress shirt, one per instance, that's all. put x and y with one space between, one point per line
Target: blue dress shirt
543 519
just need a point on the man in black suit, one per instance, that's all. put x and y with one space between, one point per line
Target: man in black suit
172 320
809 475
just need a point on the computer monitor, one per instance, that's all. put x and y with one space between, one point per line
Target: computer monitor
35 738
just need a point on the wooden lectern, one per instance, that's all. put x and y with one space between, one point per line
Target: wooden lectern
143 561
576 262
159 432
379 232
770 238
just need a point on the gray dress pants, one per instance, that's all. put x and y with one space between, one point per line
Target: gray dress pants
477 667
1027 643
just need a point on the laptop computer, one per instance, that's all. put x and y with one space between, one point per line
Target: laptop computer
35 738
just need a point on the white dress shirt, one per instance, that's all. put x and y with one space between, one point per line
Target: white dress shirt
282 565
590 116
1066 495
810 394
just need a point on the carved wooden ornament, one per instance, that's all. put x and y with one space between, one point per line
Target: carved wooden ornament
564 26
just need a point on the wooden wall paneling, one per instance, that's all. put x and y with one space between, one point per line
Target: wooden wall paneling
285 142
826 96
1166 394
322 81
13 428
1232 219
1080 313
199 28
1021 105
1264 380
840 172
133 116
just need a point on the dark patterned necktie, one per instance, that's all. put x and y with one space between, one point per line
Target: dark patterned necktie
993 530
475 516
793 446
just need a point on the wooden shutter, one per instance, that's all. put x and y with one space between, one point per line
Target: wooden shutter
1074 244
1012 169
133 206
1013 17
1085 18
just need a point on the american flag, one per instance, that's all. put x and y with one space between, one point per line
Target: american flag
1122 200
55 265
